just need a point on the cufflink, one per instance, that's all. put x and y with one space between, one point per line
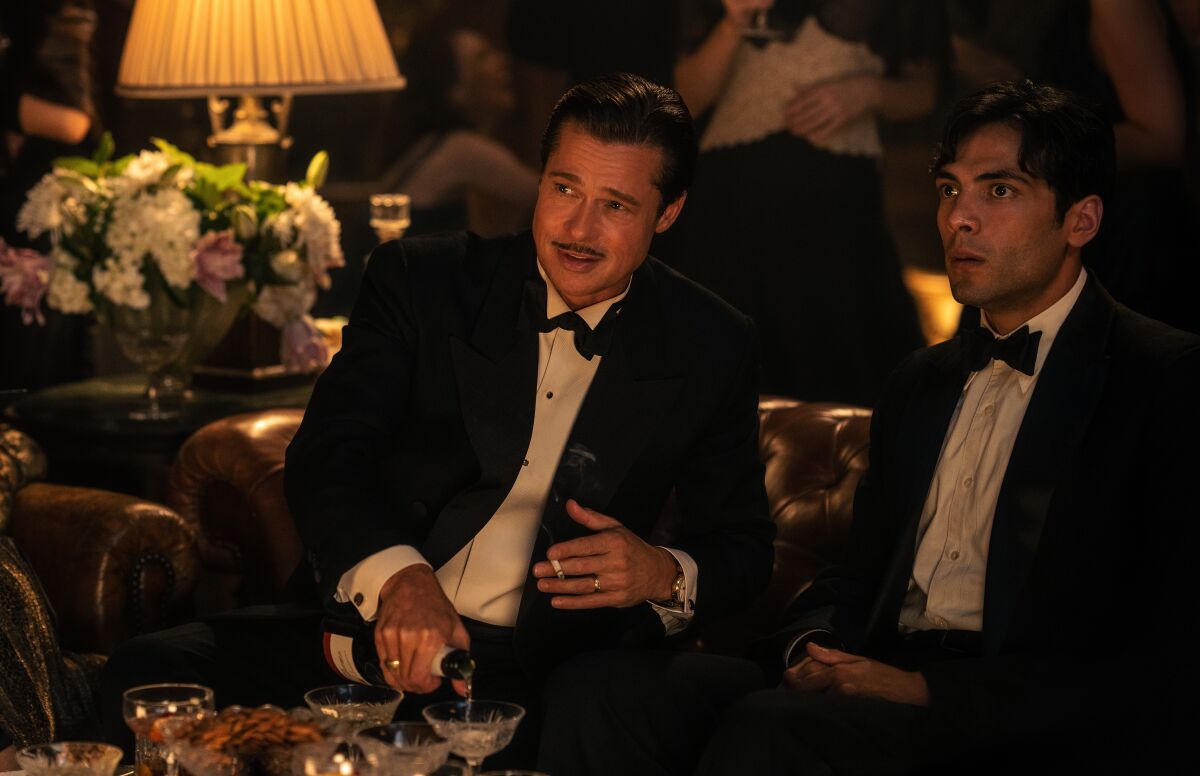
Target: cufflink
358 599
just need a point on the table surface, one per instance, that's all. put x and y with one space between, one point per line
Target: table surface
102 405
89 439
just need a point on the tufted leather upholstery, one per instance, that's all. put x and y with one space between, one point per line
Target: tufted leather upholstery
228 482
111 565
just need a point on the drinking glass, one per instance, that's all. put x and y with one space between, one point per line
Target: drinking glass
354 706
145 705
390 215
416 748
69 758
760 30
475 729
341 757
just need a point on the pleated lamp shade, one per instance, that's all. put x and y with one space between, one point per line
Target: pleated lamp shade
194 48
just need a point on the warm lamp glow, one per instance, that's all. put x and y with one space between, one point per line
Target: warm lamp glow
196 48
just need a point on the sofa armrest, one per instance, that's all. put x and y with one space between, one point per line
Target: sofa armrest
112 565
227 481
814 454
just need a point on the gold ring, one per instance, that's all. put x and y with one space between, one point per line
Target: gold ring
393 664
595 583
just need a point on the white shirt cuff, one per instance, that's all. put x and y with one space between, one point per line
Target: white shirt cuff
362 583
675 618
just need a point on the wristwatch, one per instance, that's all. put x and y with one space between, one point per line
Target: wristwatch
678 589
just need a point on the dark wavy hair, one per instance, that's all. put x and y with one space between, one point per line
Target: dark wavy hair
627 109
1065 140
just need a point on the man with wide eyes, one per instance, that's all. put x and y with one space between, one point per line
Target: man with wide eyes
1017 592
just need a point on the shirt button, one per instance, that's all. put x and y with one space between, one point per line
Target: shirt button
549 394
525 462
988 410
968 482
358 599
954 555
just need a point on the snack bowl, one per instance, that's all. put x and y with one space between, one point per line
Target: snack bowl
238 741
69 758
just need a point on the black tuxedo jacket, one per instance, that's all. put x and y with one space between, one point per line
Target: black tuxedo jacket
417 429
1089 602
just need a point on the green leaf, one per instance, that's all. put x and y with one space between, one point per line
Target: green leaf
79 185
105 150
173 153
228 175
118 167
79 165
169 174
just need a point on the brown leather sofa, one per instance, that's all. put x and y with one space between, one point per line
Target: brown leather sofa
111 565
227 481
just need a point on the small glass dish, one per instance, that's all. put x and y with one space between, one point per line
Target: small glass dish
69 758
240 741
416 748
355 706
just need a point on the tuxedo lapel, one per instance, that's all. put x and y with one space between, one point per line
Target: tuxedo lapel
634 386
917 446
1059 412
495 373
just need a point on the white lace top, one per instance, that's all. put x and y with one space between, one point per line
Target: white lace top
763 80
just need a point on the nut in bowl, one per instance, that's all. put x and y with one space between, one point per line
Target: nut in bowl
239 741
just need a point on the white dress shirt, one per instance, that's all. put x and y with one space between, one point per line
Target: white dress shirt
950 567
486 578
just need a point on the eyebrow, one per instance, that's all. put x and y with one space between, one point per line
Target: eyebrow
617 193
1002 174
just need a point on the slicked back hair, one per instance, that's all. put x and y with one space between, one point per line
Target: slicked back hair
1065 141
627 109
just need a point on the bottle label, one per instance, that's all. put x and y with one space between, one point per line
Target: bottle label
339 653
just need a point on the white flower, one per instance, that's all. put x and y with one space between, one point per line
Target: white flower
42 212
67 293
287 265
162 224
320 233
279 304
122 282
147 170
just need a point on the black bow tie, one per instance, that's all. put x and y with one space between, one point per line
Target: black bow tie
588 341
1018 350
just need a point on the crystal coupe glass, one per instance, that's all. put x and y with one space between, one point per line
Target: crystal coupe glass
475 729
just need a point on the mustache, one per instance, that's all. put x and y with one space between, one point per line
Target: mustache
578 248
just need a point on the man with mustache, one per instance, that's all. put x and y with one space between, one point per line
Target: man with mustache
1017 593
482 464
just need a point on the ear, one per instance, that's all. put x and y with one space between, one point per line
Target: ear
1083 220
670 214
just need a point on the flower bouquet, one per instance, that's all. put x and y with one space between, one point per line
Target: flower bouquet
167 250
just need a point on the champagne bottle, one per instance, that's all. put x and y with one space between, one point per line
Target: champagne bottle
350 652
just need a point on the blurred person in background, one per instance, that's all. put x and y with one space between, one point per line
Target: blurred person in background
47 110
1132 59
786 217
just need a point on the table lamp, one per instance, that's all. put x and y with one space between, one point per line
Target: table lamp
253 49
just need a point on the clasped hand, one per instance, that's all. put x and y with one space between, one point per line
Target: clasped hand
834 671
625 569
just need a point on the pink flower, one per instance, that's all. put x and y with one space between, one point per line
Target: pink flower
303 347
218 258
24 279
